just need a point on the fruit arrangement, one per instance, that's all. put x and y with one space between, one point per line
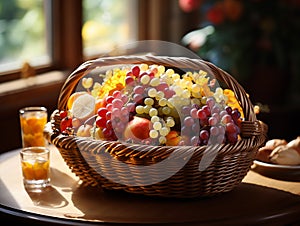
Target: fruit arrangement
279 151
153 105
144 124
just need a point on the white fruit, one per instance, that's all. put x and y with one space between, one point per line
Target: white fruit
83 107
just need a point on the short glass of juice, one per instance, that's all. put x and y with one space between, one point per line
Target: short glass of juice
35 164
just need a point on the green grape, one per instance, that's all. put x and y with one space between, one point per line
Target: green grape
154 119
145 79
170 122
153 133
162 102
162 139
153 112
170 72
166 110
152 92
159 95
161 69
144 67
175 76
155 82
139 109
147 108
157 126
149 101
178 90
164 131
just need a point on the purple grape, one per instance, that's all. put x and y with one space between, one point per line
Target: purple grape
214 131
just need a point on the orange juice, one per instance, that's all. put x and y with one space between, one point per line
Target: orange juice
35 164
35 170
33 121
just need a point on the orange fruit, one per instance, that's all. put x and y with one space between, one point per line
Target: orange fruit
73 97
99 103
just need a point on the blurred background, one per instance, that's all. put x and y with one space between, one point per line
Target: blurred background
256 41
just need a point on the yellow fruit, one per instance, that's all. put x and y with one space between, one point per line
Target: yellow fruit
84 131
83 107
73 97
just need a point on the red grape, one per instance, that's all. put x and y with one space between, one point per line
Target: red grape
102 112
204 135
201 114
101 122
136 71
63 114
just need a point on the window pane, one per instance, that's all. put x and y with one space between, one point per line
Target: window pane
22 34
108 23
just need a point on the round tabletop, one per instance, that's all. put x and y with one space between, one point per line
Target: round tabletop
257 200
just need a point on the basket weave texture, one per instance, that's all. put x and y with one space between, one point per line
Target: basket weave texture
97 162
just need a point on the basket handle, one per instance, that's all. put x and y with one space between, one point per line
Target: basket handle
179 62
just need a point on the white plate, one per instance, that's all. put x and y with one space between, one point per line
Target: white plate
281 172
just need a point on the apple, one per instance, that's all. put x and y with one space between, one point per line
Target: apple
173 138
137 129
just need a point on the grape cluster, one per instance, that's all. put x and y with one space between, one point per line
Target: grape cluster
114 115
212 123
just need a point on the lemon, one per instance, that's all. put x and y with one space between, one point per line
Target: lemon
83 107
73 97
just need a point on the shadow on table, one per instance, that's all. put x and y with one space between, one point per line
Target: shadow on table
246 204
49 197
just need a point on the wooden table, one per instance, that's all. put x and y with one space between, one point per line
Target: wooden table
258 200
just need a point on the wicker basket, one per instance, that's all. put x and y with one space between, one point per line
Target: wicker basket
97 163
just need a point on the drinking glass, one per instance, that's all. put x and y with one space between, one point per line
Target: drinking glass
35 164
33 121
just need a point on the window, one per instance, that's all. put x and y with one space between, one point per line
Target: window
60 35
108 23
23 34
55 34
